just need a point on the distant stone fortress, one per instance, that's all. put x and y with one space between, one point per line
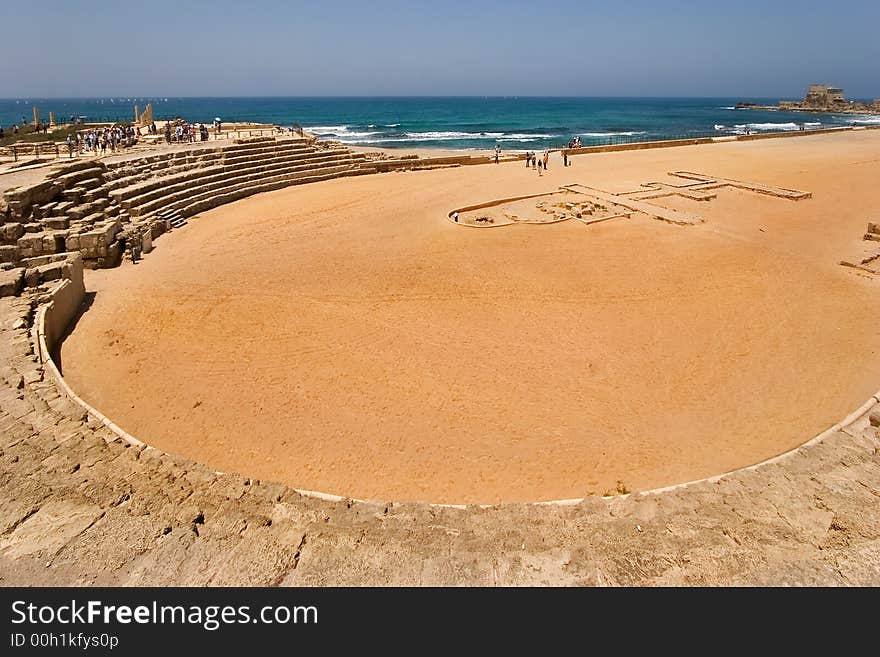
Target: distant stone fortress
820 98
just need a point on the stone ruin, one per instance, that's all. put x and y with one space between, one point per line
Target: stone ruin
105 210
868 260
146 118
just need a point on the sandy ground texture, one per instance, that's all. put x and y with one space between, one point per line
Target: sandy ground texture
346 337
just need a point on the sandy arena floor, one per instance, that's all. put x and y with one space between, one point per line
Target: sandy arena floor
346 337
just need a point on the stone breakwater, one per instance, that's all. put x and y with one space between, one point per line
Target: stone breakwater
79 505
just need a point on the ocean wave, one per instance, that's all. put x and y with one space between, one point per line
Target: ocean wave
629 133
866 120
326 129
528 136
438 136
727 108
767 127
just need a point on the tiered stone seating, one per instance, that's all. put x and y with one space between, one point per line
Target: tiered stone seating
168 195
101 208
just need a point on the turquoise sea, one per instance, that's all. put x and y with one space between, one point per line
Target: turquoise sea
515 123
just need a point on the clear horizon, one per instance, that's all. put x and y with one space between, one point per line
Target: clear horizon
670 49
127 97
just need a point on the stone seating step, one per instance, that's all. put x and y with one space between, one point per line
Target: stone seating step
129 178
94 218
229 156
221 199
79 177
273 182
73 194
148 201
62 207
269 162
149 185
223 181
92 183
71 167
56 223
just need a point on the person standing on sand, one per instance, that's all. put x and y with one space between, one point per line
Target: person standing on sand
497 153
546 159
564 158
540 167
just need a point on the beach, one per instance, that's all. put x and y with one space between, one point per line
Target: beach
346 337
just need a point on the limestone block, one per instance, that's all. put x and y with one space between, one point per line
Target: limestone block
31 277
56 223
12 231
147 241
38 193
31 244
51 271
50 243
62 207
72 270
11 281
9 253
112 257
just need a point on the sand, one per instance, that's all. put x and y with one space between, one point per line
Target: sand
346 337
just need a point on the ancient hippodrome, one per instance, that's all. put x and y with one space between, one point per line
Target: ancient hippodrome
275 361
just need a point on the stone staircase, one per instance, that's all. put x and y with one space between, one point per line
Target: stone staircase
173 217
104 210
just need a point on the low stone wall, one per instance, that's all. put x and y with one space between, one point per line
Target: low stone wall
408 163
671 143
637 146
792 133
62 304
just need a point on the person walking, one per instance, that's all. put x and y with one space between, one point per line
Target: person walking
497 153
546 159
540 167
564 158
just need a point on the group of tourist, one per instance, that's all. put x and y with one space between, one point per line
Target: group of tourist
183 133
574 142
40 127
99 140
539 163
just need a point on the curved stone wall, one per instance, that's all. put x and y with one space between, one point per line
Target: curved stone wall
80 505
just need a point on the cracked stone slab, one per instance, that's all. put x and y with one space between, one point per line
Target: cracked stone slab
48 530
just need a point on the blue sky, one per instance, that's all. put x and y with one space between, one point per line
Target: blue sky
391 47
